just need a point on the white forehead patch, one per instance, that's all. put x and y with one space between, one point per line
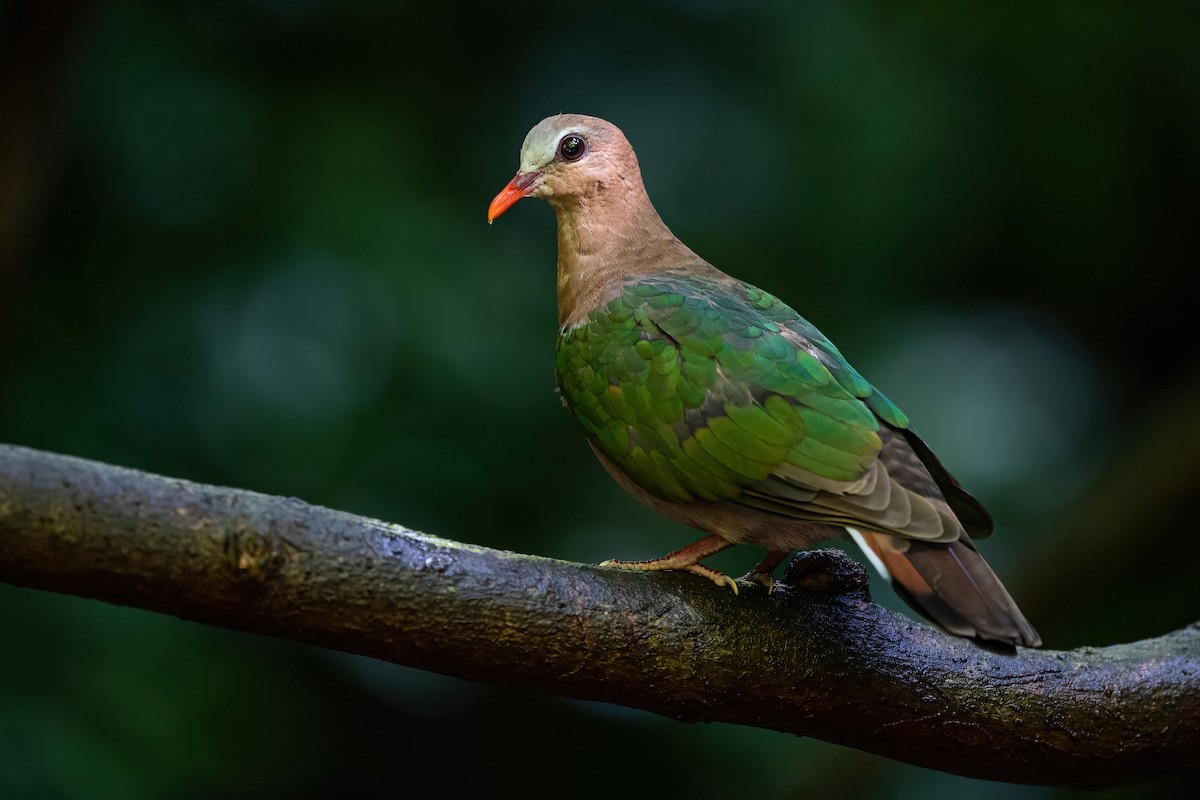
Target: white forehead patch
542 142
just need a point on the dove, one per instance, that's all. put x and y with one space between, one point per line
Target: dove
716 404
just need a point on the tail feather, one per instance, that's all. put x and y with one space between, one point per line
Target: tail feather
951 585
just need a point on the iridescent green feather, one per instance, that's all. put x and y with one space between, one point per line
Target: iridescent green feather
699 388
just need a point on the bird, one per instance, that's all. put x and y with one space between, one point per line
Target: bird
716 404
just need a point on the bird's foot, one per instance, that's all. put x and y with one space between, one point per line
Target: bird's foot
763 579
762 573
719 578
687 559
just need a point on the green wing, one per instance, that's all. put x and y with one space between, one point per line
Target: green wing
713 390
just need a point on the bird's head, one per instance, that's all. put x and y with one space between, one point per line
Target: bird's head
570 156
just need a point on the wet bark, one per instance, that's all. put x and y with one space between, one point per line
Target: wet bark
815 658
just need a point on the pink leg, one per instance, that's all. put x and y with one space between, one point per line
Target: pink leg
687 559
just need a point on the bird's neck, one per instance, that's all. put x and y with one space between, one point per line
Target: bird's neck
603 239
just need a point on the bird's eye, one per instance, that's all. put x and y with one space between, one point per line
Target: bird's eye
571 148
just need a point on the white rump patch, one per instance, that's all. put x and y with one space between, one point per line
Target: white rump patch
872 556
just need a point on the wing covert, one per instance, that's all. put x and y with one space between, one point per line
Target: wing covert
712 390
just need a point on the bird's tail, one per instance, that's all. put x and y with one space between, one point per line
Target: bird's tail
951 585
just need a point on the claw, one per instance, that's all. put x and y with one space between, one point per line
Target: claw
722 579
719 578
762 574
764 579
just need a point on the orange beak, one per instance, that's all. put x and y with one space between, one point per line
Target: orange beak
517 188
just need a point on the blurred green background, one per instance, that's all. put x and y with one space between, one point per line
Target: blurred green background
244 243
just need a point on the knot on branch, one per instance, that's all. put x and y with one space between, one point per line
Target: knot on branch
253 554
828 571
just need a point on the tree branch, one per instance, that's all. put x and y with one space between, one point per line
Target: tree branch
815 658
